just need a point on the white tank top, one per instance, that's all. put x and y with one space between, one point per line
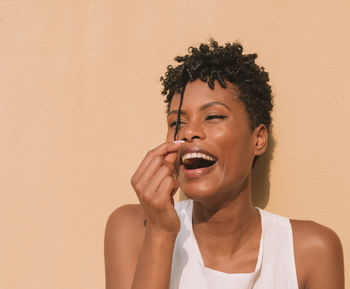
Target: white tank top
275 268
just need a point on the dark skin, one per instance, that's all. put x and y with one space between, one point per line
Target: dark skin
138 255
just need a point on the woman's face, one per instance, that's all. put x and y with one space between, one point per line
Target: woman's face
215 161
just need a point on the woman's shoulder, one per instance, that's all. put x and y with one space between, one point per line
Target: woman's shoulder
313 238
316 233
123 240
126 219
318 254
125 230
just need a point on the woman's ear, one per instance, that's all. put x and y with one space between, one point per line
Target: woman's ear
261 139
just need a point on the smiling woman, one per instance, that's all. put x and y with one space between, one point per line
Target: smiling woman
214 122
219 104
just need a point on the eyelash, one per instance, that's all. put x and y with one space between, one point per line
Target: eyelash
213 116
174 123
210 117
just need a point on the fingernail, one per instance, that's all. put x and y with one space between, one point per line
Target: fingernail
178 141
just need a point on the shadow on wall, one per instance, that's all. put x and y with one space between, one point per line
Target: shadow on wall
260 177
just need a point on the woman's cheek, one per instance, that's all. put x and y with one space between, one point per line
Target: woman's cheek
170 135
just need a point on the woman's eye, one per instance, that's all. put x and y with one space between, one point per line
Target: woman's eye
214 116
172 124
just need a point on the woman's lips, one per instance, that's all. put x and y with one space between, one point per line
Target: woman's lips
193 151
186 152
196 173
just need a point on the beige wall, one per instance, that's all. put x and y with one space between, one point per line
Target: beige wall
80 105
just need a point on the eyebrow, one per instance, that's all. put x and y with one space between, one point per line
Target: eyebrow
203 107
209 104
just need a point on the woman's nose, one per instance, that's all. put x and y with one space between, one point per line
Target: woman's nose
189 132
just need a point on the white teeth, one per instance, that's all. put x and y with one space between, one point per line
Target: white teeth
197 155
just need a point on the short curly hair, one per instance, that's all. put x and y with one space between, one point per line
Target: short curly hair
224 63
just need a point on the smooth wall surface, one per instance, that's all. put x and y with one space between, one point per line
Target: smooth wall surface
80 105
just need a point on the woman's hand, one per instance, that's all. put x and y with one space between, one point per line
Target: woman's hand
155 184
130 248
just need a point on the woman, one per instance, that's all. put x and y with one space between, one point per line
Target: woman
219 104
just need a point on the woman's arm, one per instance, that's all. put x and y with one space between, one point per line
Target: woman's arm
139 240
123 240
129 250
318 256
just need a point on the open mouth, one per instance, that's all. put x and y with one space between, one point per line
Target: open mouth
197 160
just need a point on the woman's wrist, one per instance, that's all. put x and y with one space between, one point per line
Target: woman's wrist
160 235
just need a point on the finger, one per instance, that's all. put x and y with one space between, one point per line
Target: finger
176 187
162 150
168 185
141 183
171 157
151 170
161 198
157 179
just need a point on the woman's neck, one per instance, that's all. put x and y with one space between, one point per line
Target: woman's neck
232 224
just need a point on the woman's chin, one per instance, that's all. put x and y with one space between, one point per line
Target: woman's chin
197 191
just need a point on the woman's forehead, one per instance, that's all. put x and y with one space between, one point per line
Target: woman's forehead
198 94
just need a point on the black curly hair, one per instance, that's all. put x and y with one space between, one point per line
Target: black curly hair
223 63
